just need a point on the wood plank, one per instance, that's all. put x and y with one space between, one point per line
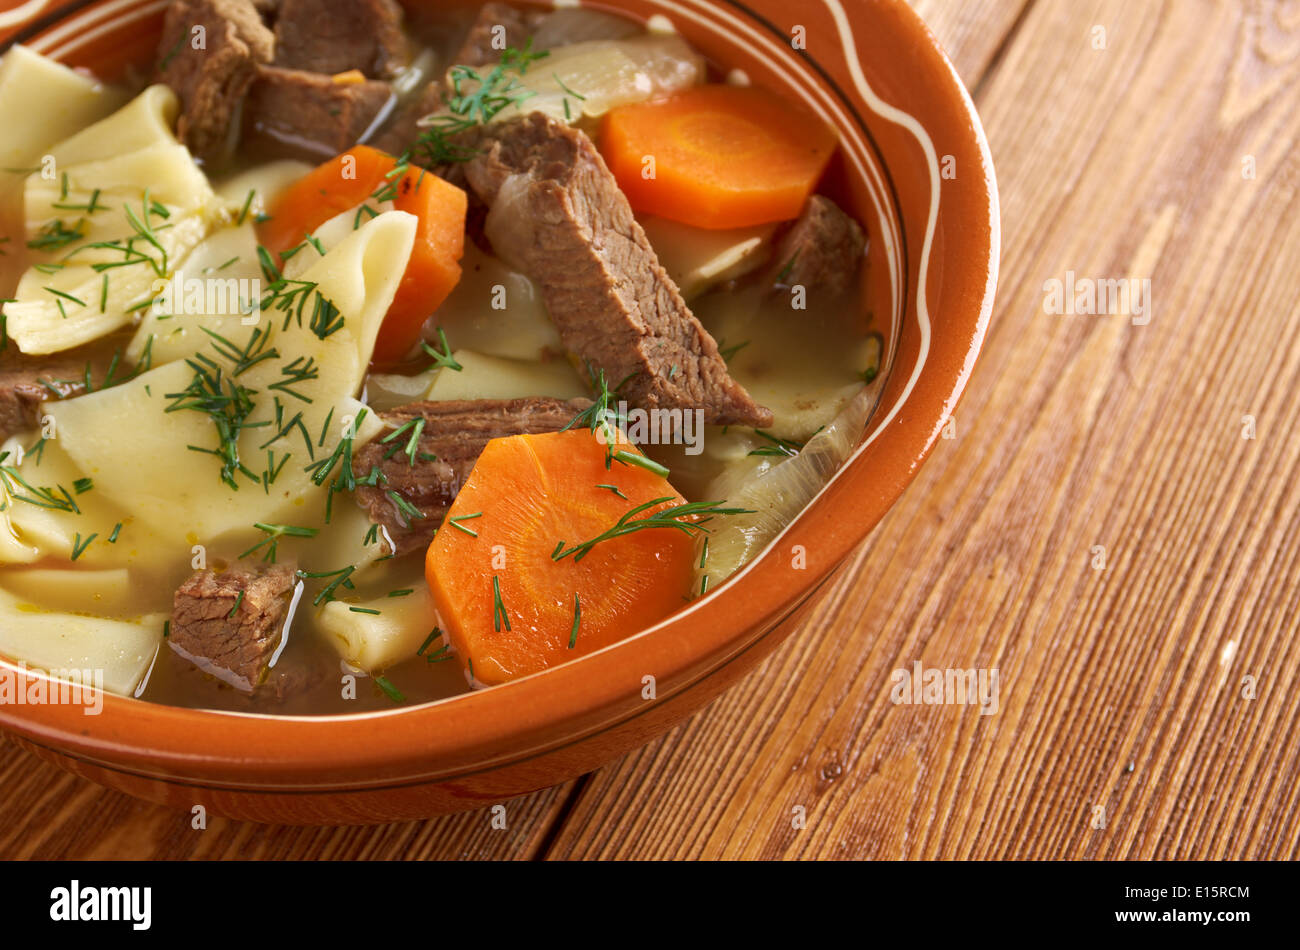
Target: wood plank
1163 689
52 815
973 33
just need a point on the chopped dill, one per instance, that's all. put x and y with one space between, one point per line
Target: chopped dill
248 203
274 532
79 546
391 691
405 507
684 517
55 235
434 634
787 448
442 653
442 356
641 461
456 523
340 578
476 99
498 606
416 427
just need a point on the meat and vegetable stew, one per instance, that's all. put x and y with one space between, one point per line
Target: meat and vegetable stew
357 356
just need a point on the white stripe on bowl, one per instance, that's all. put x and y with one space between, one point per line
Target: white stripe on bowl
99 29
22 13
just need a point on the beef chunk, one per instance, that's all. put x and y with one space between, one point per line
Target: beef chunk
297 114
557 214
404 128
333 36
455 432
822 251
229 624
27 381
497 26
211 81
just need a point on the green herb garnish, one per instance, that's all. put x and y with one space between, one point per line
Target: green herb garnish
456 523
498 606
434 634
786 448
248 203
476 99
577 619
274 532
674 517
79 546
341 578
391 691
442 357
415 427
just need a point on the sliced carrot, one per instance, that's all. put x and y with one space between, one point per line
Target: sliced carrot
327 190
434 266
717 156
346 181
506 604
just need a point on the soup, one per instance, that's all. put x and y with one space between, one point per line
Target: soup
356 360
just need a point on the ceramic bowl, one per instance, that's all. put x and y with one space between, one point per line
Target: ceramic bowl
914 166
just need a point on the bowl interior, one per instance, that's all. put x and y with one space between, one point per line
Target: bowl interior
913 166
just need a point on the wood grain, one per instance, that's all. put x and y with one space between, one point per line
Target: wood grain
1123 689
50 814
974 33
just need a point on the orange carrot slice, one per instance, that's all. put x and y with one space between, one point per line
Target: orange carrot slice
507 605
717 156
346 181
331 188
433 269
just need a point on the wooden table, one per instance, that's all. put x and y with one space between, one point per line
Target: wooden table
1150 708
